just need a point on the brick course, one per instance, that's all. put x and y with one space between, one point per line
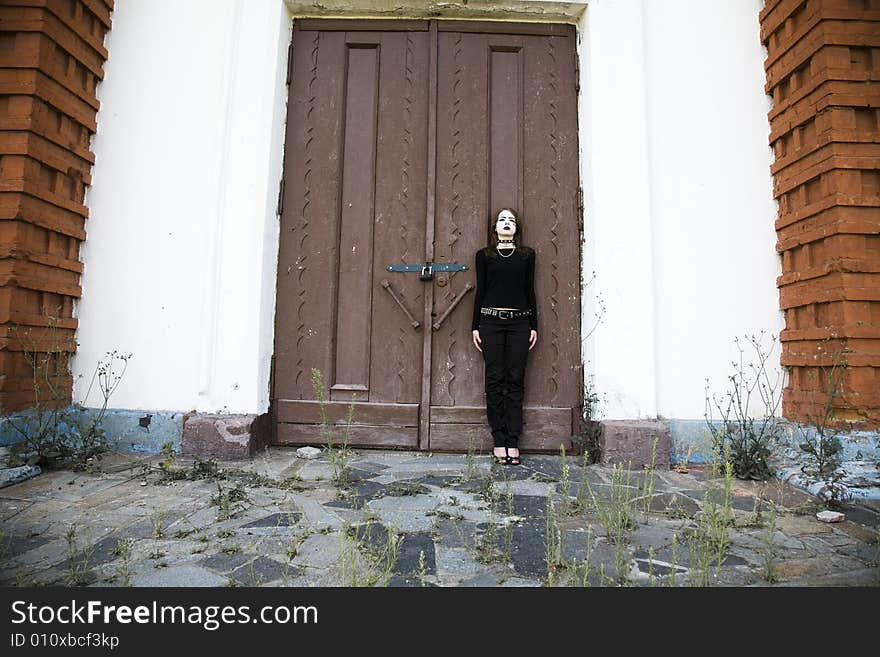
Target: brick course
51 59
823 61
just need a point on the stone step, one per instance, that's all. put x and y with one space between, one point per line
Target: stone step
632 442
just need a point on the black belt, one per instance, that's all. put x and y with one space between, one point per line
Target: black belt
505 314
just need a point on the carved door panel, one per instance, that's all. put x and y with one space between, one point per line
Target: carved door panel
353 201
507 137
400 139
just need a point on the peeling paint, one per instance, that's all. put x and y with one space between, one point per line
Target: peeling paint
225 428
126 430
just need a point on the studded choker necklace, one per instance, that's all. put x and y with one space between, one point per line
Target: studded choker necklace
505 244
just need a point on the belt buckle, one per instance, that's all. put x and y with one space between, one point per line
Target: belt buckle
505 314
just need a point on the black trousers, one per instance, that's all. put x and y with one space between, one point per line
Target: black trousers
505 344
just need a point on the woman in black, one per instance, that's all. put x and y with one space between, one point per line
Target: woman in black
505 328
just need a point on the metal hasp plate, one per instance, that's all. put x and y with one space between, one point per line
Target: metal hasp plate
426 271
435 266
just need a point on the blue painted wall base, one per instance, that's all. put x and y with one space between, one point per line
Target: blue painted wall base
135 431
692 443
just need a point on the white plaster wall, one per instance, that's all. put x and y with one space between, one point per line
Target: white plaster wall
620 355
714 236
679 207
181 244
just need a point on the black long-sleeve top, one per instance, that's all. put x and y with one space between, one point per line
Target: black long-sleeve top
505 283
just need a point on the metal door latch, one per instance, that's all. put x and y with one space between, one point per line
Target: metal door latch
426 270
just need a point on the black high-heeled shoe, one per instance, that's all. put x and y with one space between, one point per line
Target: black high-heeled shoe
513 460
500 460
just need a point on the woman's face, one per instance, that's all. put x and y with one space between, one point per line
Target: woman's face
505 225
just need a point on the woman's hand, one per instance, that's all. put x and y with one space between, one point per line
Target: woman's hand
477 340
533 338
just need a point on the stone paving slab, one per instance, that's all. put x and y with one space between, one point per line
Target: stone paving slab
732 577
675 480
360 494
319 551
601 491
261 571
37 512
14 545
794 569
373 535
862 577
290 532
223 562
460 512
528 505
838 537
56 551
406 514
660 562
426 466
101 552
54 576
527 487
455 533
317 516
527 549
674 504
308 577
164 549
802 525
756 539
653 536
65 486
374 467
273 466
483 580
408 581
863 516
512 582
434 481
277 519
179 575
317 470
350 516
455 564
868 554
467 498
413 545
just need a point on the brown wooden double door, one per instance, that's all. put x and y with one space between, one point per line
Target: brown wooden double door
402 138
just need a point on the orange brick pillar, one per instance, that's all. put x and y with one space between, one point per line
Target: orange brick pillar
822 67
51 59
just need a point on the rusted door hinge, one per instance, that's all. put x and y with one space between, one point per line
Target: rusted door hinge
580 208
280 208
272 379
290 61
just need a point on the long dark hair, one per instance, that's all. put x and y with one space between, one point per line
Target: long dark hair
491 246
